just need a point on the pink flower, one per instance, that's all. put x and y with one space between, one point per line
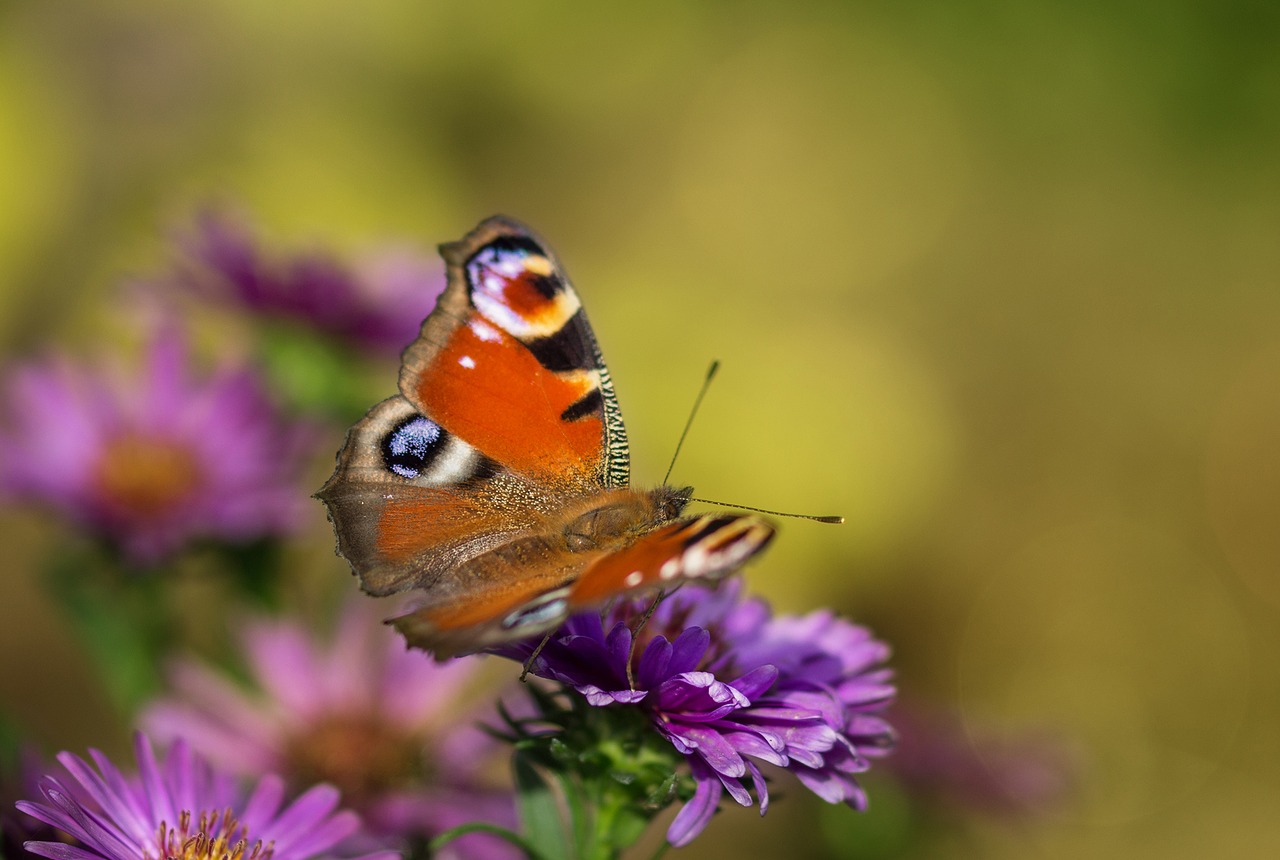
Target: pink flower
153 459
377 303
178 807
387 726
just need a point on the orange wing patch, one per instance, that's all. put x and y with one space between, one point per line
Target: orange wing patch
409 526
486 387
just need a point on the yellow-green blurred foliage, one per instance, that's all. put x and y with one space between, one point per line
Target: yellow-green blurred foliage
998 281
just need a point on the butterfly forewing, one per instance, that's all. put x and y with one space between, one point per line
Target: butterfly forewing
706 547
508 362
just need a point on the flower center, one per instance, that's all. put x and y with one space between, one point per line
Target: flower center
141 477
360 755
217 836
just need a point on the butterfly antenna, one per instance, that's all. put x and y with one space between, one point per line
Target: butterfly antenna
706 383
814 517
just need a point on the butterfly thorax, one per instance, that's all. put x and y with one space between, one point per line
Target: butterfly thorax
619 516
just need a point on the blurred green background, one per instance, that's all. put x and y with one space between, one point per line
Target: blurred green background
999 282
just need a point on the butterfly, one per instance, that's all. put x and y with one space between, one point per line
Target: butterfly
496 483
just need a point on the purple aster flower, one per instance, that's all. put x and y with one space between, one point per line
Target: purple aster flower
376 303
385 725
153 459
729 685
179 808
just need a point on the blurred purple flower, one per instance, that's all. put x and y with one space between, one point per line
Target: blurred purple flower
388 726
152 459
378 303
20 776
729 685
938 760
180 808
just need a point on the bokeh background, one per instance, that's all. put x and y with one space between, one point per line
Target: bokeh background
999 282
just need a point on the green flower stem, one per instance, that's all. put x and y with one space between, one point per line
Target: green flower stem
589 780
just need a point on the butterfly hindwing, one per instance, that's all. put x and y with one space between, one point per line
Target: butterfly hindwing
410 501
706 547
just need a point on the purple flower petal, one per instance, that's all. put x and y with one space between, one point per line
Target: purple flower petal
60 851
712 748
761 787
695 815
736 789
831 786
767 748
599 698
756 682
654 663
618 644
264 802
688 649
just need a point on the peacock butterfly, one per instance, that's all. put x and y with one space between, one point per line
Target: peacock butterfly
496 482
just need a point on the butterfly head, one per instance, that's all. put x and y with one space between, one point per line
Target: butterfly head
669 502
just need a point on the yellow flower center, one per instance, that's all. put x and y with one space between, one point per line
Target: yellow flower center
217 836
360 755
141 477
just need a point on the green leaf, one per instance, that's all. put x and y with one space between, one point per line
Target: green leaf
540 813
628 826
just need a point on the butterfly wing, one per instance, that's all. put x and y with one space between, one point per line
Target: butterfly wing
508 362
506 411
410 501
495 482
706 548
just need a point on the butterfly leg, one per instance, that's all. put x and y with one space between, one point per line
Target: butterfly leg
635 633
528 664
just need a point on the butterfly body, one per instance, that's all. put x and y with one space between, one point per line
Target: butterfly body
496 483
